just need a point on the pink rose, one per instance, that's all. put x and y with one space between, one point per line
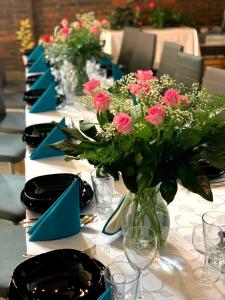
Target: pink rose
145 75
94 30
156 114
101 101
184 100
64 22
138 8
65 31
151 5
143 87
171 97
123 123
90 86
105 23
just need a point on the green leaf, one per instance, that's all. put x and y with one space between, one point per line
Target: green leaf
104 117
189 138
168 189
66 147
73 133
193 178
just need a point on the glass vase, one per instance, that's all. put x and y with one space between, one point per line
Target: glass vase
81 78
147 208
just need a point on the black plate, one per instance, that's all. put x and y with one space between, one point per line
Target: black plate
41 192
32 78
33 135
60 274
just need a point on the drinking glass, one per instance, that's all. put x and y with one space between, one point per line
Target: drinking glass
103 186
214 230
202 274
140 245
122 277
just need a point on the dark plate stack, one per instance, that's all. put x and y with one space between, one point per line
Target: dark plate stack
41 192
33 135
60 274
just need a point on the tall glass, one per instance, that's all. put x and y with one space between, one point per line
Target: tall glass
140 245
202 274
214 231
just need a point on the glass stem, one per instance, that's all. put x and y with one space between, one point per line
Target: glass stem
140 285
205 265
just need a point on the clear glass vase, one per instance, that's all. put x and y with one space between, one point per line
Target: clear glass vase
81 78
147 207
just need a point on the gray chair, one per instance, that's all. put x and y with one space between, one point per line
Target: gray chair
188 69
14 100
143 53
168 58
11 208
214 80
10 121
12 149
128 43
12 248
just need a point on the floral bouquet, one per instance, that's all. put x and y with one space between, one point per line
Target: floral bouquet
154 132
77 42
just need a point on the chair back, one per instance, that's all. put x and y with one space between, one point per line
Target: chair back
188 69
144 52
2 106
214 80
169 58
128 43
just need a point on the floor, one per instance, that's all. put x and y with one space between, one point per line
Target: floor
13 92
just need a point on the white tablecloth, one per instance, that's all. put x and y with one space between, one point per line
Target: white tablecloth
170 276
185 36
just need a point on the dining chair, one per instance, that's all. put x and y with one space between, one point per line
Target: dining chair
188 69
214 80
11 208
12 149
128 44
10 121
12 249
14 101
144 52
168 58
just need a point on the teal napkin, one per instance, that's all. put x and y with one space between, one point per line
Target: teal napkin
39 65
46 102
54 136
36 52
117 73
61 220
134 100
43 81
106 295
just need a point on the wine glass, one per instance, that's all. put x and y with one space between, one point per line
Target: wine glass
214 231
140 245
202 274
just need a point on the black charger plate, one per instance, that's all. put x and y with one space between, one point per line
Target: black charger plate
60 274
33 135
41 192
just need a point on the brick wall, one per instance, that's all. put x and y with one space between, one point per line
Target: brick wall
45 14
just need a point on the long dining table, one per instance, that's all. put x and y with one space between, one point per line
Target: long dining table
170 275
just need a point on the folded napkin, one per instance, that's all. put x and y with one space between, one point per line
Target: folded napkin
46 102
36 52
43 82
134 100
117 72
43 150
61 220
39 65
113 224
106 295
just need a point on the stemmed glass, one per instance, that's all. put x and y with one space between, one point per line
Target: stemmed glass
140 245
214 231
202 274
